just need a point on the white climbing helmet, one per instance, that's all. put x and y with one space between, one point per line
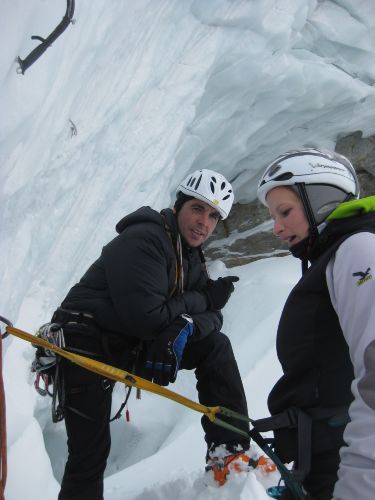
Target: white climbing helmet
309 166
210 187
323 179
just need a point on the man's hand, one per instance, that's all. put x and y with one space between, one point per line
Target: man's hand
219 291
165 352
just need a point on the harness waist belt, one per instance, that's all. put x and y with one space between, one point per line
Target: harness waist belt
289 417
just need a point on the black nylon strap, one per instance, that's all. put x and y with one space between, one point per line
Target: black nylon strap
304 446
67 316
295 418
286 419
289 417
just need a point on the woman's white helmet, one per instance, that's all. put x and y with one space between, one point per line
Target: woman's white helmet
210 187
323 179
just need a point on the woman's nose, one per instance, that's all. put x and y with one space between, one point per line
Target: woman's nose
277 228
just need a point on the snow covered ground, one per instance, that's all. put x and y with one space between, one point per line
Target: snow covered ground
157 88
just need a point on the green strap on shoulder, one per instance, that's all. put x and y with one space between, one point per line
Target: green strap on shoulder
352 208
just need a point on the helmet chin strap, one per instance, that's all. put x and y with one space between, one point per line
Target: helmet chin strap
314 233
301 186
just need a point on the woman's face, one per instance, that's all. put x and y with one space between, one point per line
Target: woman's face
286 209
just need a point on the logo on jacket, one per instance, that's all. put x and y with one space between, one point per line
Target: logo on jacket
363 276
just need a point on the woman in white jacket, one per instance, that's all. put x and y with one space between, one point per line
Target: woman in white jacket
323 406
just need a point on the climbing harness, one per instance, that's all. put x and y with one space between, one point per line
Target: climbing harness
301 422
24 64
67 317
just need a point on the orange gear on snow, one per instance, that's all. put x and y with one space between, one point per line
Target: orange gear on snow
238 462
266 465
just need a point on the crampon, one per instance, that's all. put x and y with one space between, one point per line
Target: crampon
235 463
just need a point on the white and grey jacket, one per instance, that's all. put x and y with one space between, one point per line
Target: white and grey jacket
351 282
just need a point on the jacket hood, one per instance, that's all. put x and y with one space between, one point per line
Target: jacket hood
348 218
147 214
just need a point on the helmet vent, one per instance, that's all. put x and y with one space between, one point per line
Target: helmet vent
273 170
212 185
284 177
198 181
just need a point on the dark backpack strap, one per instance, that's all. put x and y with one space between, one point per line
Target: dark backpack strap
302 421
304 430
287 418
292 418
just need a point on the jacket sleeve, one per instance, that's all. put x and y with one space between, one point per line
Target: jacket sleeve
206 323
351 283
138 269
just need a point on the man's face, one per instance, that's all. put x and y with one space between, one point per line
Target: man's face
196 221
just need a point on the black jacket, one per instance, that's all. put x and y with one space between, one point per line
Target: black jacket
310 344
128 289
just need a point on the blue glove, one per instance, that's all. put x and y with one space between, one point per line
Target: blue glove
164 354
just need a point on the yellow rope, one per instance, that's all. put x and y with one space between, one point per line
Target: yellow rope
117 374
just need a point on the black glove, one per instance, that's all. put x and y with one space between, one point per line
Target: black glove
219 291
164 354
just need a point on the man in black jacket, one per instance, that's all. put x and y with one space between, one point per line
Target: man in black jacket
147 305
